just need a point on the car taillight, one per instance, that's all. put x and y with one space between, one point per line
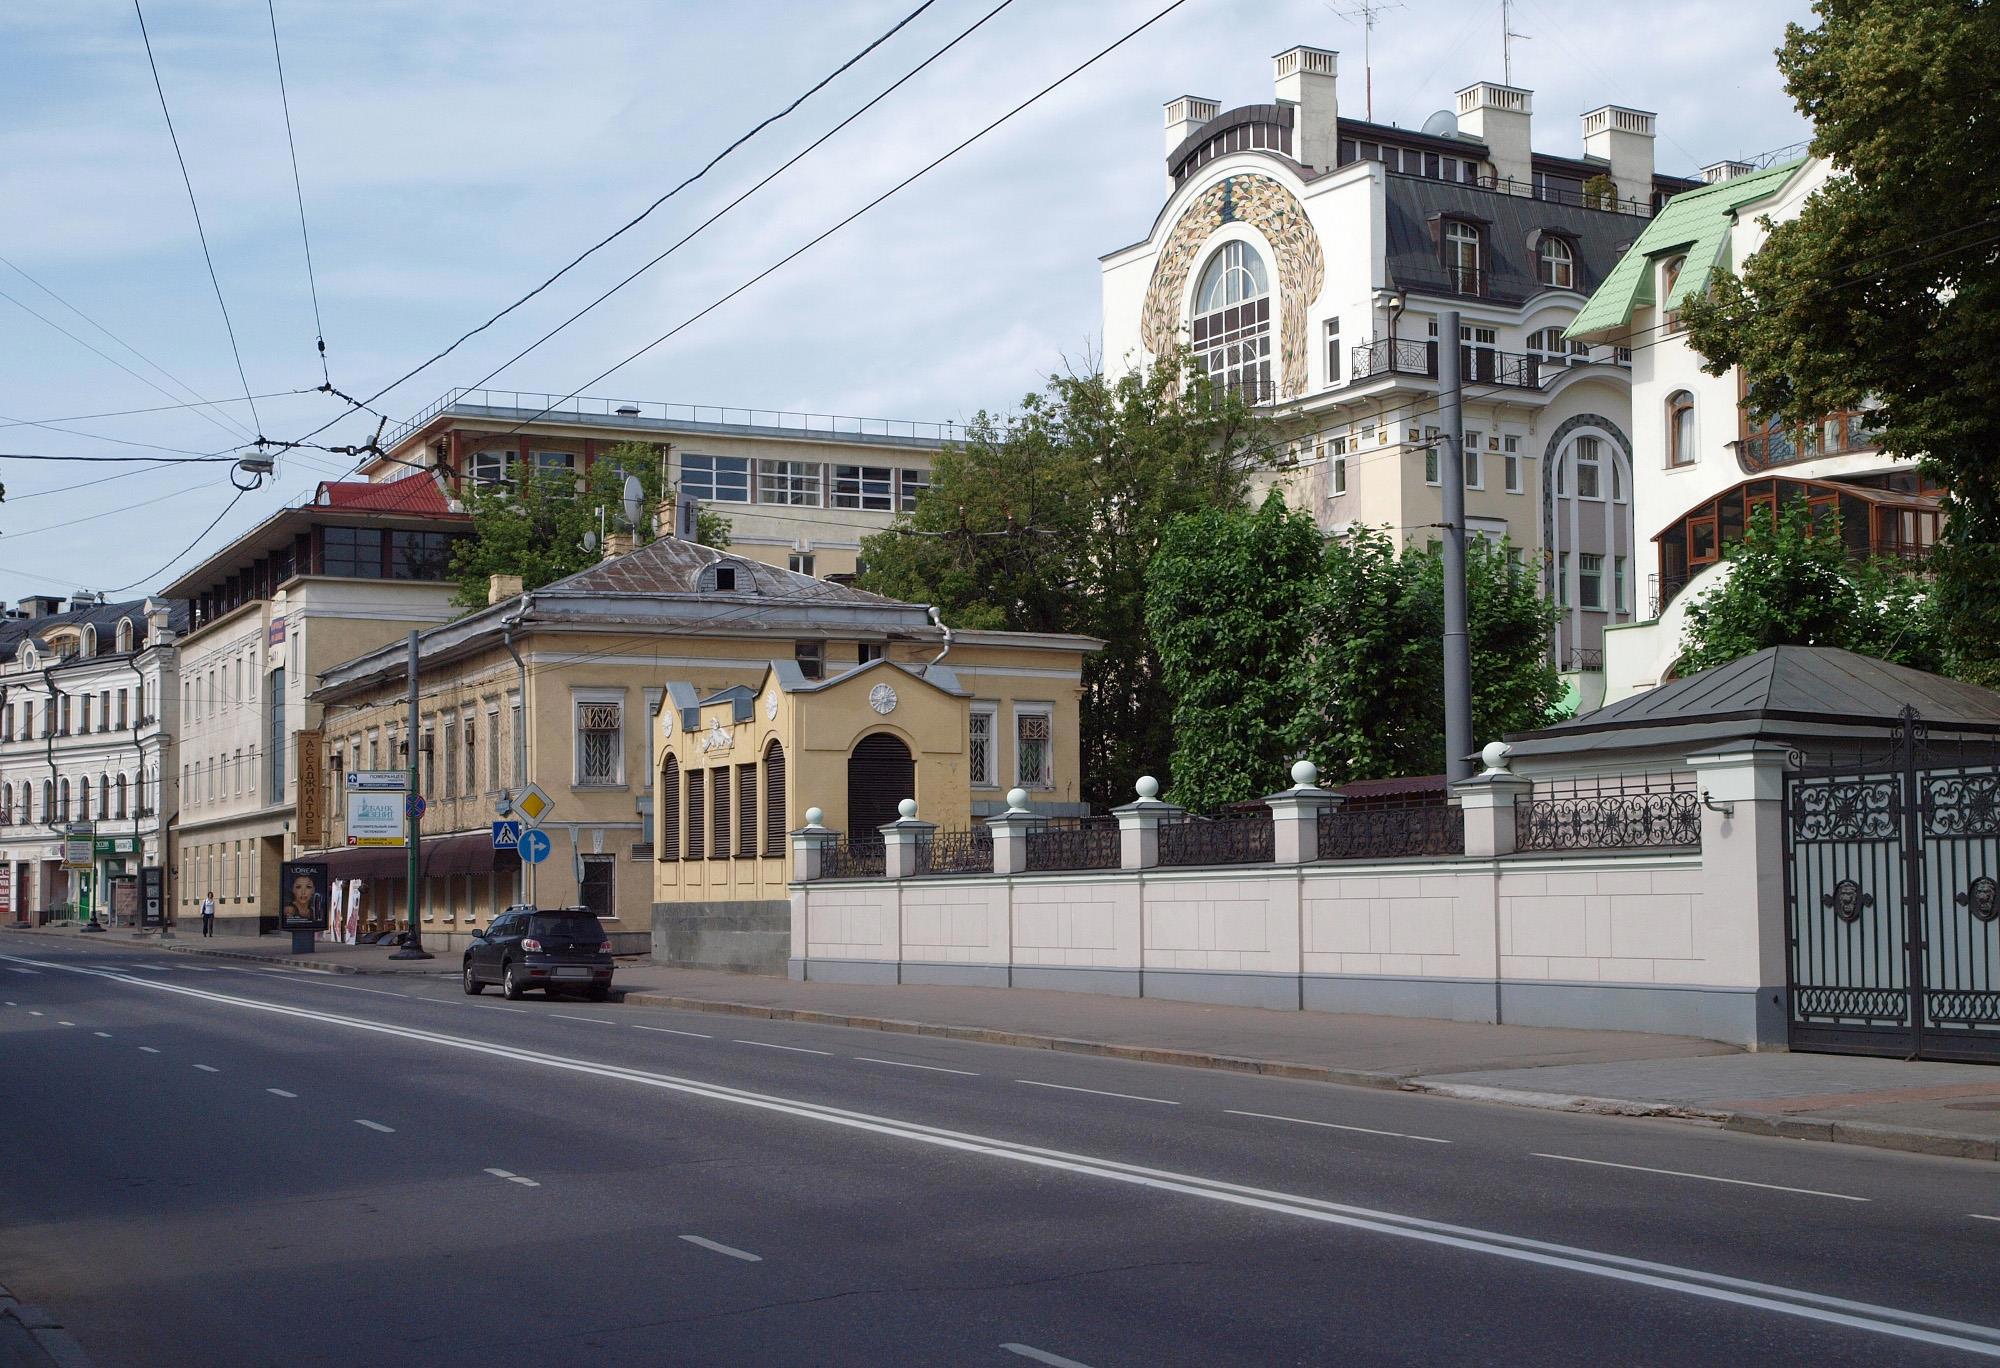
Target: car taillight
532 945
604 947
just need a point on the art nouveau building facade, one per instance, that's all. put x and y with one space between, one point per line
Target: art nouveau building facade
1705 466
1306 257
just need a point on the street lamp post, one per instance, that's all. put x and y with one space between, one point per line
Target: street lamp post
413 949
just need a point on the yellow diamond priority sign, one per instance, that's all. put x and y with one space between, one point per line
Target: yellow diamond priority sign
532 805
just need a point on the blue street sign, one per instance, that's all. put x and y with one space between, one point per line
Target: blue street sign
506 835
415 805
534 846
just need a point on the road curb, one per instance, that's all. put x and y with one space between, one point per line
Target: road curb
1872 1134
46 1330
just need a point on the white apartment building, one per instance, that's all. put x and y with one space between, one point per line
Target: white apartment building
1306 258
799 490
1705 467
87 718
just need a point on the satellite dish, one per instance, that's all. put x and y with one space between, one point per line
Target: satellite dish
634 496
590 541
1443 124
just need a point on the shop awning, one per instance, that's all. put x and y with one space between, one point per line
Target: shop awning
467 852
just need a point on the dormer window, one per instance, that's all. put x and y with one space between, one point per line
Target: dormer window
124 636
1556 263
89 641
1463 257
724 577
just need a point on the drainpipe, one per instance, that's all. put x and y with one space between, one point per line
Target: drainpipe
937 621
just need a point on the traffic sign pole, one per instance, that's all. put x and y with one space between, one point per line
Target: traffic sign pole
414 949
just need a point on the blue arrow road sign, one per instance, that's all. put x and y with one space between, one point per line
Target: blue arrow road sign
506 835
534 846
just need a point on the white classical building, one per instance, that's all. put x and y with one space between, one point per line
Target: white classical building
1306 257
88 703
1705 467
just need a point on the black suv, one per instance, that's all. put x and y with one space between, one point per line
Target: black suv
547 948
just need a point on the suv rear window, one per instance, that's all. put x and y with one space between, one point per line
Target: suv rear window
576 926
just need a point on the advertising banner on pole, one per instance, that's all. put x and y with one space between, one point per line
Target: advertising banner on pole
375 817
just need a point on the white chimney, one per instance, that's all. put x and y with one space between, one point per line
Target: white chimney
1185 114
1499 116
1306 80
1725 171
1623 138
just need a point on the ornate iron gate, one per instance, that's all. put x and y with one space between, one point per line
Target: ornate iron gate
1892 910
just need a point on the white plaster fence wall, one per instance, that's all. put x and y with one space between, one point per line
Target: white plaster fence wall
1678 941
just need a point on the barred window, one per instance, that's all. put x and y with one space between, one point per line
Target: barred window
1034 757
979 749
598 728
450 757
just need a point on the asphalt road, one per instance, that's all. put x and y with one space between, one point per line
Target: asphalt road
206 1164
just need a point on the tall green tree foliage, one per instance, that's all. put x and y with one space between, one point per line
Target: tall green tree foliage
1794 586
1887 284
1226 606
535 527
1047 519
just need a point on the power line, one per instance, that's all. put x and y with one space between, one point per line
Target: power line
298 191
200 232
907 181
643 214
96 437
127 413
240 492
107 513
213 458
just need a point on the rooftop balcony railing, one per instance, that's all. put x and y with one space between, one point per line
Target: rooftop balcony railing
1477 365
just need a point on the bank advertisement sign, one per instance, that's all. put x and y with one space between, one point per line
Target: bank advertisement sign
375 817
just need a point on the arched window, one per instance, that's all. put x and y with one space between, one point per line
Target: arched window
89 640
104 796
1462 257
1231 327
1680 428
83 799
48 800
7 802
774 799
124 636
668 841
123 808
1557 261
62 801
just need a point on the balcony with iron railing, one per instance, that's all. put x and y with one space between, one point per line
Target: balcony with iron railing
1478 365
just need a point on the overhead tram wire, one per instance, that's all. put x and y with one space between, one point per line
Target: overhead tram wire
127 413
298 192
200 232
962 35
241 490
899 186
642 215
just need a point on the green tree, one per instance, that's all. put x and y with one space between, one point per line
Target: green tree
1226 598
1373 703
1793 585
1886 286
536 527
1046 520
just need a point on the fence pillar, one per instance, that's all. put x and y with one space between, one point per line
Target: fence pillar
809 847
1295 816
903 841
1139 825
1742 916
1010 833
1488 800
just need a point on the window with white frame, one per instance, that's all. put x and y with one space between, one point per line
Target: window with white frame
1339 465
493 466
1034 747
716 479
1562 578
1475 474
910 485
1461 256
979 747
555 460
1617 584
493 750
1590 580
1332 333
800 562
866 487
1510 459
1558 263
1231 326
795 483
600 752
1589 468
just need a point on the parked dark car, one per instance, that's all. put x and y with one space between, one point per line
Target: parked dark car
551 948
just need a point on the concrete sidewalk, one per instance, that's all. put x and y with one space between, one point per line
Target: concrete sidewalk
1933 1108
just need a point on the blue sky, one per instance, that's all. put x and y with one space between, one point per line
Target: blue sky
454 153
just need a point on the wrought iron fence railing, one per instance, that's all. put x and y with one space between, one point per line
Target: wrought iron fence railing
1611 814
956 852
1380 833
1231 839
1090 844
859 857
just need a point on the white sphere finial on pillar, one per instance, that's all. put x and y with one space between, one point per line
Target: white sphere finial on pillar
1495 754
814 817
1305 774
908 808
1148 788
1017 800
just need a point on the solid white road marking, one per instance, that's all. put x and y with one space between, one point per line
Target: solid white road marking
375 1126
513 1177
1129 1097
795 1049
1693 1282
208 1068
279 1092
1029 1351
595 1021
1334 1125
905 1064
742 1254
1704 1177
147 1049
668 1030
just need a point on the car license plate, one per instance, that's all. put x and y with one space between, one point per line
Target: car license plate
572 973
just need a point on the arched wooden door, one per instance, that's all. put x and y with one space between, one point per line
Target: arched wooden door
880 774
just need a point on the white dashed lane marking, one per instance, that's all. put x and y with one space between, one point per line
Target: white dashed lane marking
905 1064
1099 1092
65 1023
513 1177
1028 1351
279 1092
147 1049
1704 1177
208 1068
795 1049
1334 1125
595 1021
663 1030
732 1252
105 1034
375 1126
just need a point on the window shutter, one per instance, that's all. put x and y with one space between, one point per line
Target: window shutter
774 799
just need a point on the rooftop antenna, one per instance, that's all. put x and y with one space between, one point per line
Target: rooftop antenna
1367 11
1507 37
